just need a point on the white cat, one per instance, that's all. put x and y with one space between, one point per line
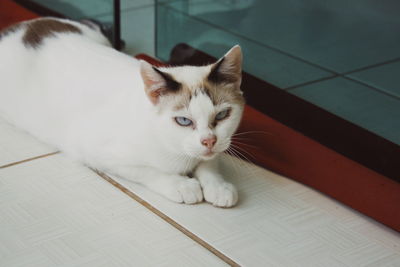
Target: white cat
61 82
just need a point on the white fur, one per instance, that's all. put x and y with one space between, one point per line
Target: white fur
81 96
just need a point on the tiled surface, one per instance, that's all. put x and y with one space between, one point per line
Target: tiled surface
361 105
276 68
385 77
355 35
58 213
16 145
281 223
293 43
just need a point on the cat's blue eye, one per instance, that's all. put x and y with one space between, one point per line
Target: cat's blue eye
222 115
183 121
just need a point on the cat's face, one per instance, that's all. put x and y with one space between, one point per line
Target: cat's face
198 108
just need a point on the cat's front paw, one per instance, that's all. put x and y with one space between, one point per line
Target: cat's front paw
187 191
220 194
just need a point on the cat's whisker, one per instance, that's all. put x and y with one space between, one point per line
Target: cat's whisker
241 138
188 161
177 161
187 165
241 143
231 154
248 168
252 132
240 149
242 163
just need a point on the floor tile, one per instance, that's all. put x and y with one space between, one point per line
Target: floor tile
276 68
279 222
356 103
17 145
385 77
58 213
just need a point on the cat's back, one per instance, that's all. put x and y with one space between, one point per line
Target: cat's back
26 40
53 71
30 48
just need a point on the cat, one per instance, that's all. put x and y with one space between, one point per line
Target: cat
162 127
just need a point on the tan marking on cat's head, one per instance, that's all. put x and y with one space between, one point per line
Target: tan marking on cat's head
223 93
39 29
218 93
221 84
182 99
177 86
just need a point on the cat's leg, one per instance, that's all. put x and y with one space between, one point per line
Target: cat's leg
181 189
215 189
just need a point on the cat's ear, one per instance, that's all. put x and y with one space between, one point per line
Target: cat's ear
156 82
228 69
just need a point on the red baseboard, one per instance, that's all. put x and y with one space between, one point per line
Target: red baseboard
11 12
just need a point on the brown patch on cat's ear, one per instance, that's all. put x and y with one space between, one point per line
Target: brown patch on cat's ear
157 82
228 69
39 29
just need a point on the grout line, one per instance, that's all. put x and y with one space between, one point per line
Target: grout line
29 159
167 219
344 76
384 92
310 82
372 66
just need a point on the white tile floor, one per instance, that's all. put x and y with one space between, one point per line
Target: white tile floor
55 212
18 145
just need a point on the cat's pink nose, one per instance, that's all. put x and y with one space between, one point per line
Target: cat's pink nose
209 142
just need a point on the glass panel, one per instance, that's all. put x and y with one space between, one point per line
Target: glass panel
341 55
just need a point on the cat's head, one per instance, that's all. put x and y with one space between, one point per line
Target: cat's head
198 108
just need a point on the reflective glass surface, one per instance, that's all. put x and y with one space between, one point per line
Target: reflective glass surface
341 55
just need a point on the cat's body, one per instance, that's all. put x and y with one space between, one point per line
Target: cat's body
67 87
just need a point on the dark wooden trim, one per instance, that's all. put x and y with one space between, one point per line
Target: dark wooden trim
346 138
